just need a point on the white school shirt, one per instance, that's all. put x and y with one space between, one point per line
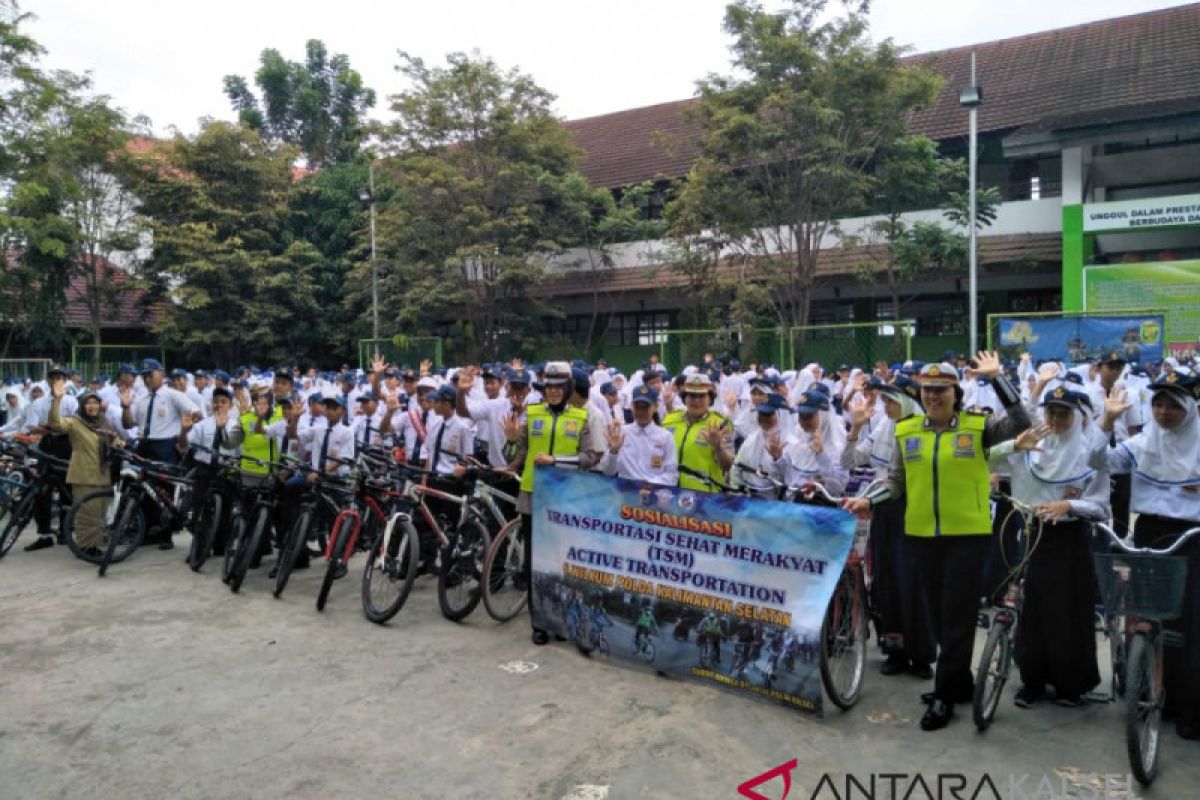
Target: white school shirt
647 454
169 407
203 432
341 444
39 410
489 417
455 442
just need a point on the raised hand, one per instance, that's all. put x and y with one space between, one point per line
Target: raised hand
714 435
126 396
1048 372
185 421
58 387
987 365
426 365
512 427
1116 405
615 435
466 379
816 444
731 399
393 402
1029 438
517 363
668 395
221 416
378 365
859 413
775 445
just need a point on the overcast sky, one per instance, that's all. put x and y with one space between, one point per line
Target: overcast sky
166 58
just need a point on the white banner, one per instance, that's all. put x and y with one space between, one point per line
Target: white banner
1149 212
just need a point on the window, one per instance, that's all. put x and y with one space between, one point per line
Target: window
638 328
832 315
1035 300
575 328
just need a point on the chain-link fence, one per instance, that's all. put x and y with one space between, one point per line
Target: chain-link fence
21 368
680 348
861 344
401 349
106 359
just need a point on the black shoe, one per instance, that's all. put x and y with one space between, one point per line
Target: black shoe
894 665
937 716
965 696
339 571
41 543
921 671
1027 697
167 544
540 638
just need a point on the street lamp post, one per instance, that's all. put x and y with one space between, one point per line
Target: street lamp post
370 197
970 98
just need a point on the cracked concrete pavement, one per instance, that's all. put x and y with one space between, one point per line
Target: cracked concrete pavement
156 682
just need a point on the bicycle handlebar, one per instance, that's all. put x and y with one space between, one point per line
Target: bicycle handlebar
1146 551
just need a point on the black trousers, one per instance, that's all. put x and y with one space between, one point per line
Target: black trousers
159 450
1181 666
59 446
904 618
1118 498
948 570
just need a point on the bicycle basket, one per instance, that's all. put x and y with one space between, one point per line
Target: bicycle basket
1141 585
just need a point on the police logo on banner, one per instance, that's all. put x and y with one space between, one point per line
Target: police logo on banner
538 427
687 499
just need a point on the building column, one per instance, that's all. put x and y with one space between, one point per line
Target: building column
1076 247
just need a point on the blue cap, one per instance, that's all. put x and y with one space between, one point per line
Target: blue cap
126 369
316 397
580 376
221 375
768 380
771 403
607 388
521 377
811 402
820 388
876 383
366 397
446 393
149 365
1177 382
178 373
644 394
337 399
1062 396
489 371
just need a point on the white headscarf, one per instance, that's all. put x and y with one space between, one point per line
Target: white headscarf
883 439
1063 457
833 440
1170 457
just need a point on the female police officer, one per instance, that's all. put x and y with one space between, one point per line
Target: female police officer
940 465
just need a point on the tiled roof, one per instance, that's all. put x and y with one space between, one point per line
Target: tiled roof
1146 58
127 312
832 263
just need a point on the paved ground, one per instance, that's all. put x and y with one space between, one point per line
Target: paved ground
158 683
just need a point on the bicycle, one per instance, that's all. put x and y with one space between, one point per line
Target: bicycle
245 540
114 516
206 521
995 660
707 647
1145 586
844 628
362 514
33 473
643 645
326 499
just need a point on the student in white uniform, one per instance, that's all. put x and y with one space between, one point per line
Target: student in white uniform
158 415
221 432
641 450
1164 461
489 413
815 453
1054 469
763 448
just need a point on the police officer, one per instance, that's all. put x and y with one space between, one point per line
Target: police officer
703 438
940 465
553 435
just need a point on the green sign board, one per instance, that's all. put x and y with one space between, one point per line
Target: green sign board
1173 286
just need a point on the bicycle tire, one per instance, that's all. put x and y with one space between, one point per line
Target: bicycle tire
102 499
18 515
648 651
291 549
1118 646
1143 709
395 569
995 662
602 645
504 593
340 539
460 584
844 631
130 526
205 531
233 548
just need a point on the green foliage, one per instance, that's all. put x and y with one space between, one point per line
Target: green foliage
235 282
792 146
319 105
485 194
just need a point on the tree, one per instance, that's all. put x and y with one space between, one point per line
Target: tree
319 106
792 147
911 176
235 282
482 168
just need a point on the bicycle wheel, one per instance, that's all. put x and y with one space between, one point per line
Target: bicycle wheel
1143 708
13 519
994 664
125 534
844 642
233 548
248 547
1114 631
291 549
390 571
204 532
506 593
648 650
340 540
602 645
87 527
459 584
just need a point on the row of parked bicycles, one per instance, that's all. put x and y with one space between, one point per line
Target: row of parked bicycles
466 534
405 520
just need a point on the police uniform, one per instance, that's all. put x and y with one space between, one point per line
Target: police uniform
692 449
